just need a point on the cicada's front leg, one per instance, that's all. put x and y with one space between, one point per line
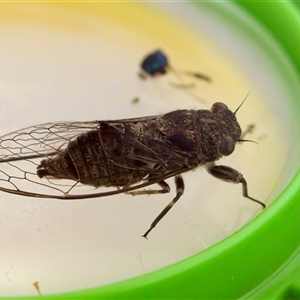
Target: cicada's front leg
231 175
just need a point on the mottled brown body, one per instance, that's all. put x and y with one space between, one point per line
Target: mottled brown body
126 155
121 154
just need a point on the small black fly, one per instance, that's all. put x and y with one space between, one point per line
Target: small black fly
157 63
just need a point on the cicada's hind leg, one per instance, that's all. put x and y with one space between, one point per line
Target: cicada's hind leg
231 175
69 190
165 189
179 192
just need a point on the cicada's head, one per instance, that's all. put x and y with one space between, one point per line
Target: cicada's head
230 129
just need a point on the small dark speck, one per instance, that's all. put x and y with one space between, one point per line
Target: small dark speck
8 272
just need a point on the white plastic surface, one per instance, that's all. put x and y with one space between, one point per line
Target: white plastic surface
84 67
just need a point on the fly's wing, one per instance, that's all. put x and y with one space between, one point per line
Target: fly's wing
22 151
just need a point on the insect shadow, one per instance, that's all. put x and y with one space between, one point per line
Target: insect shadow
60 160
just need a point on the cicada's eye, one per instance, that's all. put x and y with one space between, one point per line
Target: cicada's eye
227 145
218 107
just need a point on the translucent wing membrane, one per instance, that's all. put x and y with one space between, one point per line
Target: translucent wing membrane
40 140
21 153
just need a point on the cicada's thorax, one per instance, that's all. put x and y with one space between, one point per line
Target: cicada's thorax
201 135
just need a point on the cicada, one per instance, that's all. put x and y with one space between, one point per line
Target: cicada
73 160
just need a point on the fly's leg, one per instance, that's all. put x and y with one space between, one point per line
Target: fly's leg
179 192
165 189
182 85
231 175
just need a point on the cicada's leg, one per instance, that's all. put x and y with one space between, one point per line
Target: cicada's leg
179 192
165 189
231 175
69 190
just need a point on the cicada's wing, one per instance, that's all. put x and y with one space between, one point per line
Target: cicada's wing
21 153
48 139
41 140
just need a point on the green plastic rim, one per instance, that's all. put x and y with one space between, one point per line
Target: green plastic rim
245 261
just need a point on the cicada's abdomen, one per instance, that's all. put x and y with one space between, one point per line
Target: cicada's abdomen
91 159
80 161
59 166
